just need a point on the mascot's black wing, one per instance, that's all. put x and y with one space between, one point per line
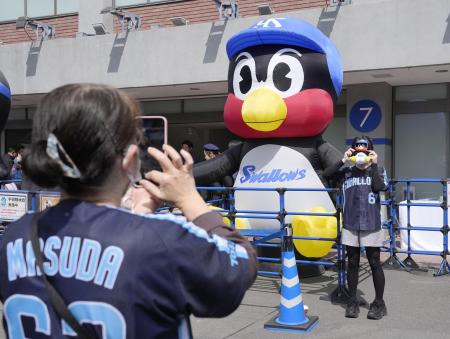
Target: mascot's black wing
214 170
329 156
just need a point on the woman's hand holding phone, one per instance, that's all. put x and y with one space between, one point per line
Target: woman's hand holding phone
171 181
175 183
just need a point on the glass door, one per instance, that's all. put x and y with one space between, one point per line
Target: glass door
421 150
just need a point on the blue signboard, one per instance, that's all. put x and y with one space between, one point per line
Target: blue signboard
365 116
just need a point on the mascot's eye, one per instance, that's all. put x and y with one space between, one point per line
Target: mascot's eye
285 72
246 83
244 76
281 77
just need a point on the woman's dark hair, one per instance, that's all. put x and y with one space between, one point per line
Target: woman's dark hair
356 140
93 123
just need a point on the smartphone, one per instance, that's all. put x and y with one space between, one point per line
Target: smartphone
154 134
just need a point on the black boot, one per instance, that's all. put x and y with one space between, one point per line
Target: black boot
377 310
352 309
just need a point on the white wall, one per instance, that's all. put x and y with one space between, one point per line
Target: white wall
369 34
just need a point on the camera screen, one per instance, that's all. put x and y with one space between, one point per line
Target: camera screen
154 135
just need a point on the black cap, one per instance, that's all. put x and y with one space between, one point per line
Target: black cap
211 147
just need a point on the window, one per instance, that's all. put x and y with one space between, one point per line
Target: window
67 6
204 105
17 114
421 93
12 9
40 7
421 150
421 127
124 3
161 107
129 2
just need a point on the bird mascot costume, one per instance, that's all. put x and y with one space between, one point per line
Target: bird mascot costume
5 105
283 80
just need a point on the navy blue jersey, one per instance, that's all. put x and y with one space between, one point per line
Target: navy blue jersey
361 195
122 274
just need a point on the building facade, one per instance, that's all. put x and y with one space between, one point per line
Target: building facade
396 57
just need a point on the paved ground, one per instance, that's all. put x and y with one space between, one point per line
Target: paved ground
418 307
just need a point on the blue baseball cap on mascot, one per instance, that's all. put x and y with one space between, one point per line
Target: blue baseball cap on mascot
284 77
293 32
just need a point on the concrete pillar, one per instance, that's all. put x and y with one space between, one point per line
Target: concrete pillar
369 112
89 13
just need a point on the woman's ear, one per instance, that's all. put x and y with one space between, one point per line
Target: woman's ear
130 160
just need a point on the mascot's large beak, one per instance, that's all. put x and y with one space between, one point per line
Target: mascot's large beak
264 110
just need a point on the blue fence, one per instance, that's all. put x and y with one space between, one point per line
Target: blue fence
265 237
394 227
262 238
13 203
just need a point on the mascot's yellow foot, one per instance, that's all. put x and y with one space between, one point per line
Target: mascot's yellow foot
317 227
239 223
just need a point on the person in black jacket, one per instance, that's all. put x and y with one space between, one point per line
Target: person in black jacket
210 151
361 185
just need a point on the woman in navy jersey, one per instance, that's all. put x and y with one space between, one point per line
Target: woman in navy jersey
118 273
361 184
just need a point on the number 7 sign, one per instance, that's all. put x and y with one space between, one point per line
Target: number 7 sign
365 116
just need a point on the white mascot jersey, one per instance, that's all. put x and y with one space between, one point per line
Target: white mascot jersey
274 166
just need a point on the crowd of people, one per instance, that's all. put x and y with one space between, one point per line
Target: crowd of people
13 162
